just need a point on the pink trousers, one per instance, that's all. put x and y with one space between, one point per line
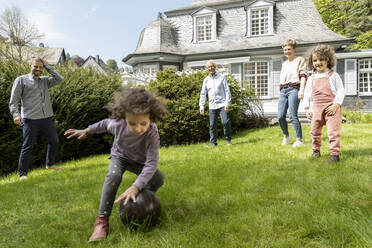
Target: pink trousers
323 98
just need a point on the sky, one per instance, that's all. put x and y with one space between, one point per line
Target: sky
108 28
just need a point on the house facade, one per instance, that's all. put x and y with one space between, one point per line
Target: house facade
96 63
244 37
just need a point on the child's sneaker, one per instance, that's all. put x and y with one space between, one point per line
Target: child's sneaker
286 140
297 143
316 154
333 159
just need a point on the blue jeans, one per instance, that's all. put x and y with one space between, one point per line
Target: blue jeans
31 130
113 178
289 99
213 114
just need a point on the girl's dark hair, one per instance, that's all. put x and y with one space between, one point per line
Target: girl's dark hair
325 52
136 101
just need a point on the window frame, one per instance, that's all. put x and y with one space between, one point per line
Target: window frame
150 67
245 76
259 6
203 13
368 71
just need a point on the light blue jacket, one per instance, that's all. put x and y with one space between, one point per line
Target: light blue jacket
218 92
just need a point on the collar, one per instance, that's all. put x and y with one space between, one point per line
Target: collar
32 77
215 75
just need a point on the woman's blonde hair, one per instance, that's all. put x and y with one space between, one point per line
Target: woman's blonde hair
290 42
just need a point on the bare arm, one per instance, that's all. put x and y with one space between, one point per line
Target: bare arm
79 133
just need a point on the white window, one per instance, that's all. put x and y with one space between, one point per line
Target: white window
256 76
149 69
204 25
204 28
260 18
170 67
365 77
260 22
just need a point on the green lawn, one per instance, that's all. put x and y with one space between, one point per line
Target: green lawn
255 193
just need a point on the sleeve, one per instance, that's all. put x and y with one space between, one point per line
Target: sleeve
15 97
100 127
227 92
308 92
302 70
203 94
339 88
152 159
55 78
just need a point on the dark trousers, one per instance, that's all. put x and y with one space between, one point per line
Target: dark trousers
31 130
113 178
213 114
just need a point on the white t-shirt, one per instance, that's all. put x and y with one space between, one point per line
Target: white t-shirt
335 83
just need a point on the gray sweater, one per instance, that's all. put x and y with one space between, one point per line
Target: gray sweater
34 95
142 150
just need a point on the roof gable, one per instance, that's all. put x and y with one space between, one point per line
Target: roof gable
204 11
260 3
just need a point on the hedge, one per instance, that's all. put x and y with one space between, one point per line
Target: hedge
184 124
77 102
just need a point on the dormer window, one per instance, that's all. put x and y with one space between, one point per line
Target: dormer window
204 28
204 25
260 18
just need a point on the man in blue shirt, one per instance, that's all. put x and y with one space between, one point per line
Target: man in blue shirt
32 90
215 85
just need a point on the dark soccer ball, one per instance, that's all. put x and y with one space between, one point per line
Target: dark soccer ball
143 213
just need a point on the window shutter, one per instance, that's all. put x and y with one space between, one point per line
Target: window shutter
236 71
350 81
340 68
275 75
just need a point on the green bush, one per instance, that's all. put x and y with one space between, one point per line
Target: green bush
353 113
77 102
184 124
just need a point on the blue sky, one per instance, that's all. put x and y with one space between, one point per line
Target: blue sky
109 28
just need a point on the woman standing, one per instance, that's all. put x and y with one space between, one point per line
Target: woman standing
292 84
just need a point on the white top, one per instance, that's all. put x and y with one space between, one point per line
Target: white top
291 70
335 83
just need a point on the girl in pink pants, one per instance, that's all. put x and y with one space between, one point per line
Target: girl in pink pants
325 90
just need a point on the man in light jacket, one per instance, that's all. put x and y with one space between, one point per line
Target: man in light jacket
215 85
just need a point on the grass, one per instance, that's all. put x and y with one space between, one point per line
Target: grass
255 193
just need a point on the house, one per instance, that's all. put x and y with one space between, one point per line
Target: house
245 37
53 56
96 63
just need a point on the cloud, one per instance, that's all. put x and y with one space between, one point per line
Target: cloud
91 12
46 24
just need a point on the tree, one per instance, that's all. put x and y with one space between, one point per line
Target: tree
18 32
78 60
111 63
349 18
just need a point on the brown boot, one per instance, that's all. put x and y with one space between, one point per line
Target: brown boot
101 228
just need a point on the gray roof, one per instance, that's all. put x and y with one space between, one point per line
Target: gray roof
295 19
52 55
158 36
207 3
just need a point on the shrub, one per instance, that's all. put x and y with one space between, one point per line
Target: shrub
77 102
184 124
353 113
